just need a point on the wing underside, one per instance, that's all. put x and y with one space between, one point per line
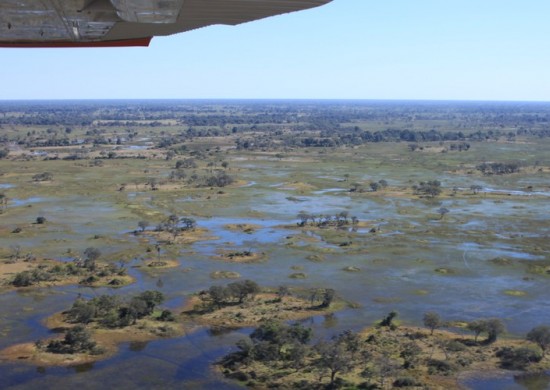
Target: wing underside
125 22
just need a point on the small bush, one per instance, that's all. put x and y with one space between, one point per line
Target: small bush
167 315
23 279
405 382
518 358
455 346
436 366
89 280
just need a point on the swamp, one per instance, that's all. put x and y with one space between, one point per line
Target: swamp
434 211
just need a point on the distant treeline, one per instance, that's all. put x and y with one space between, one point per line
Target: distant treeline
269 124
340 137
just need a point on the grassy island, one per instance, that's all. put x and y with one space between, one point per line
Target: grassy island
92 328
34 272
244 303
277 355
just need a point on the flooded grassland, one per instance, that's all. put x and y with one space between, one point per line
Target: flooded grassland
478 249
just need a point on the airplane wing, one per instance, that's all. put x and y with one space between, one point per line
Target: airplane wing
100 23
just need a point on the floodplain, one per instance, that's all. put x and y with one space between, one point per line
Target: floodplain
406 207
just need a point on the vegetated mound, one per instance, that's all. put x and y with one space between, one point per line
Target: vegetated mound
225 275
162 263
185 238
242 227
93 328
537 267
50 272
244 303
244 256
278 355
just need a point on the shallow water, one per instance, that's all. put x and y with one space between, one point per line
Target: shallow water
394 266
518 382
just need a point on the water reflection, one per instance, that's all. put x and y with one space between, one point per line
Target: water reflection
330 321
81 368
526 381
216 331
137 346
536 381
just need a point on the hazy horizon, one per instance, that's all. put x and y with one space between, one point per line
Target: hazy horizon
273 100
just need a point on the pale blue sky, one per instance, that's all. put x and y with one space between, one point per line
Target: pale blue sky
349 49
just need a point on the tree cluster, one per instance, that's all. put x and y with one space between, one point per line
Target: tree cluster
77 340
112 312
233 293
45 176
493 327
287 348
430 188
388 352
338 220
175 224
86 268
498 168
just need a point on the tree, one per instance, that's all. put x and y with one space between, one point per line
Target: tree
82 311
241 290
478 327
495 327
334 357
432 321
218 295
304 217
350 340
188 223
282 292
144 304
77 340
388 320
541 336
442 212
476 188
143 225
91 255
492 326
171 225
328 297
